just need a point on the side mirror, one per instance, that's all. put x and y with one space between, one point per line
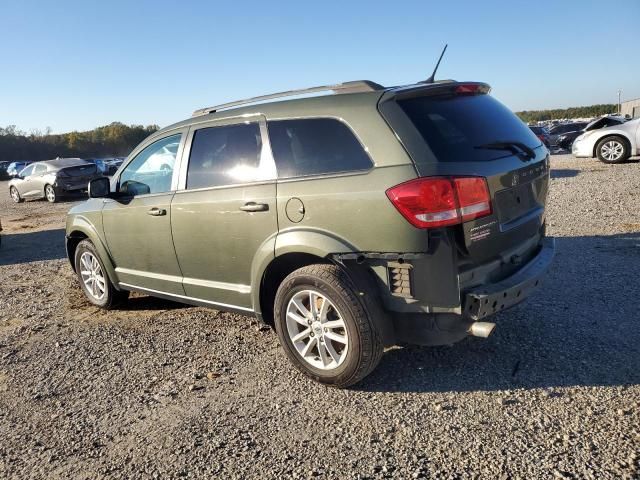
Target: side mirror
133 188
99 187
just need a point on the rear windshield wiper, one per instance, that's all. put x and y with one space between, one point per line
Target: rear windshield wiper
517 148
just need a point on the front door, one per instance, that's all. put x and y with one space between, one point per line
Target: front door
224 212
26 185
137 221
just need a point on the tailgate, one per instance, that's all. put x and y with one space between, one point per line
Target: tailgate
457 130
518 200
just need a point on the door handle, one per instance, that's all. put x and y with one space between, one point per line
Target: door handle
156 212
254 207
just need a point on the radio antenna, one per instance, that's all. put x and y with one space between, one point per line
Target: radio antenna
432 78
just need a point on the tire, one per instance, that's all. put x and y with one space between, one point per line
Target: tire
110 297
15 195
613 149
362 351
50 194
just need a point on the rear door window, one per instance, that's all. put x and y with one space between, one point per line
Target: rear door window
315 146
455 127
226 155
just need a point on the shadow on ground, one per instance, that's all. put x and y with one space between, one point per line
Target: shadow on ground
28 247
580 328
143 302
564 172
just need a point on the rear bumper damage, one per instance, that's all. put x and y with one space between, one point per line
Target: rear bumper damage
478 304
416 321
489 299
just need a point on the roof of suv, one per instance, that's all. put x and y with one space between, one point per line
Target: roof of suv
346 96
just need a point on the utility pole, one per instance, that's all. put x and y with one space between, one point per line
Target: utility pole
619 102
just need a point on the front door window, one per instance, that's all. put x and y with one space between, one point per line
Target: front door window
152 169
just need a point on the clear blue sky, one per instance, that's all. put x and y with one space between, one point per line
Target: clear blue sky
75 65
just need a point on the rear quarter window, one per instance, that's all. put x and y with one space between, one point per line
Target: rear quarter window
315 146
455 126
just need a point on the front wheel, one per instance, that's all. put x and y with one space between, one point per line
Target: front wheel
324 328
93 277
50 194
15 195
612 150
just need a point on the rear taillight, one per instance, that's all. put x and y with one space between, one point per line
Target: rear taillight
440 201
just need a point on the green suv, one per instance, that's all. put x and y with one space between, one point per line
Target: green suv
350 222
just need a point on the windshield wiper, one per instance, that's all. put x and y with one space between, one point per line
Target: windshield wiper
517 148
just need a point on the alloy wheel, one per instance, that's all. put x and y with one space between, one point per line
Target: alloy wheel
14 194
317 330
612 150
50 193
92 276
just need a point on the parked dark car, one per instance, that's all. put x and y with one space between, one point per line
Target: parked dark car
14 168
3 170
565 140
562 128
542 134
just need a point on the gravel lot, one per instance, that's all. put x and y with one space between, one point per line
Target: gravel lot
161 390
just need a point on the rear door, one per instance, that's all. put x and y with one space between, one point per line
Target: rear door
137 221
461 136
224 212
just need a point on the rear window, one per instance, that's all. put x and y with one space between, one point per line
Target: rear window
315 146
455 126
81 171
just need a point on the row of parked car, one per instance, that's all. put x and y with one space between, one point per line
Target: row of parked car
612 139
106 166
52 179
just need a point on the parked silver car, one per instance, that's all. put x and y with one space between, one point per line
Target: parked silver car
52 179
614 143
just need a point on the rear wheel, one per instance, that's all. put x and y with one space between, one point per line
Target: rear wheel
324 328
93 277
15 195
50 194
612 150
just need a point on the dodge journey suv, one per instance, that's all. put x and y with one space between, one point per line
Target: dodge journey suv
350 222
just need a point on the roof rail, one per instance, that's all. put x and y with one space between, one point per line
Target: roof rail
346 87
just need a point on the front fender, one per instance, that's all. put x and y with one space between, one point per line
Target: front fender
79 224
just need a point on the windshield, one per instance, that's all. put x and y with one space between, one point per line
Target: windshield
455 127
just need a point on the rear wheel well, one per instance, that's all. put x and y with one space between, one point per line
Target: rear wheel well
73 239
276 272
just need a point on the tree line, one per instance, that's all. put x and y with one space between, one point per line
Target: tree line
114 140
118 139
591 111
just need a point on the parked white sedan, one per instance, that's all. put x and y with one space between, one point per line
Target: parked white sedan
613 143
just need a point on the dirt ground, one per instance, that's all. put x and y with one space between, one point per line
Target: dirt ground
161 390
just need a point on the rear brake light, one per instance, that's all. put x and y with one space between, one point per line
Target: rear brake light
472 88
441 201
